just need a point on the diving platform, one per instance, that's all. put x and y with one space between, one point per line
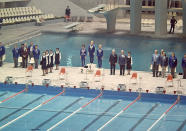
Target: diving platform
135 8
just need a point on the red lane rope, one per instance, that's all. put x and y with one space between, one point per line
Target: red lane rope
52 98
13 95
92 100
131 103
172 106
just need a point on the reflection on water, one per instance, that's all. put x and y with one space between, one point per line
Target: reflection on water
69 61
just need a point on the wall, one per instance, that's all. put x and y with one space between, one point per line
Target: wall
57 7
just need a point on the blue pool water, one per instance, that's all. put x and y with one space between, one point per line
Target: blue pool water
140 47
140 116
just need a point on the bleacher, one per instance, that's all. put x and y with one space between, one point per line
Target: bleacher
23 14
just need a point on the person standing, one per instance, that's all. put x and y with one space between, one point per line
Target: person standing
173 22
122 62
160 68
129 63
36 54
30 50
173 64
15 52
83 54
1 22
43 63
155 63
113 61
51 60
21 49
48 64
163 63
184 66
25 56
2 53
67 14
100 55
57 58
91 51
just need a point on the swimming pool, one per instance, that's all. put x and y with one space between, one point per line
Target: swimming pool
139 116
141 48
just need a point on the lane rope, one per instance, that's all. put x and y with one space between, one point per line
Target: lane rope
61 121
28 112
13 95
119 113
177 100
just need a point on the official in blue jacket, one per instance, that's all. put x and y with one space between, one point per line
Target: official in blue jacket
2 53
83 54
184 66
91 51
122 62
15 52
172 63
36 54
100 55
155 63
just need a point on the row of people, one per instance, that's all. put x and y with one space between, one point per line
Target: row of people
48 59
161 60
31 54
158 60
123 60
26 53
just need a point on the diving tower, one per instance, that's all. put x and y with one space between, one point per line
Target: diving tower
135 7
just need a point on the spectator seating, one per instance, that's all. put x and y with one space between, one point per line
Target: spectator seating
22 14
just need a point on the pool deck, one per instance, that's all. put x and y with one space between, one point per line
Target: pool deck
74 76
16 33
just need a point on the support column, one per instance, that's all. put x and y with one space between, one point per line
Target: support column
111 20
135 16
161 17
184 16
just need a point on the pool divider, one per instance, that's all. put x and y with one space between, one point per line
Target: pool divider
142 118
177 100
3 94
26 89
182 125
60 122
33 109
102 114
56 114
19 109
119 113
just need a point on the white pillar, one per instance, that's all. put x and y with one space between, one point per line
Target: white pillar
184 16
135 16
111 20
160 17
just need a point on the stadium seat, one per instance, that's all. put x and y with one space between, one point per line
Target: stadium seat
133 78
62 73
98 75
169 80
22 14
29 71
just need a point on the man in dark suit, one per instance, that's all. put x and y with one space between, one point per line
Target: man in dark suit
173 22
113 61
122 62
